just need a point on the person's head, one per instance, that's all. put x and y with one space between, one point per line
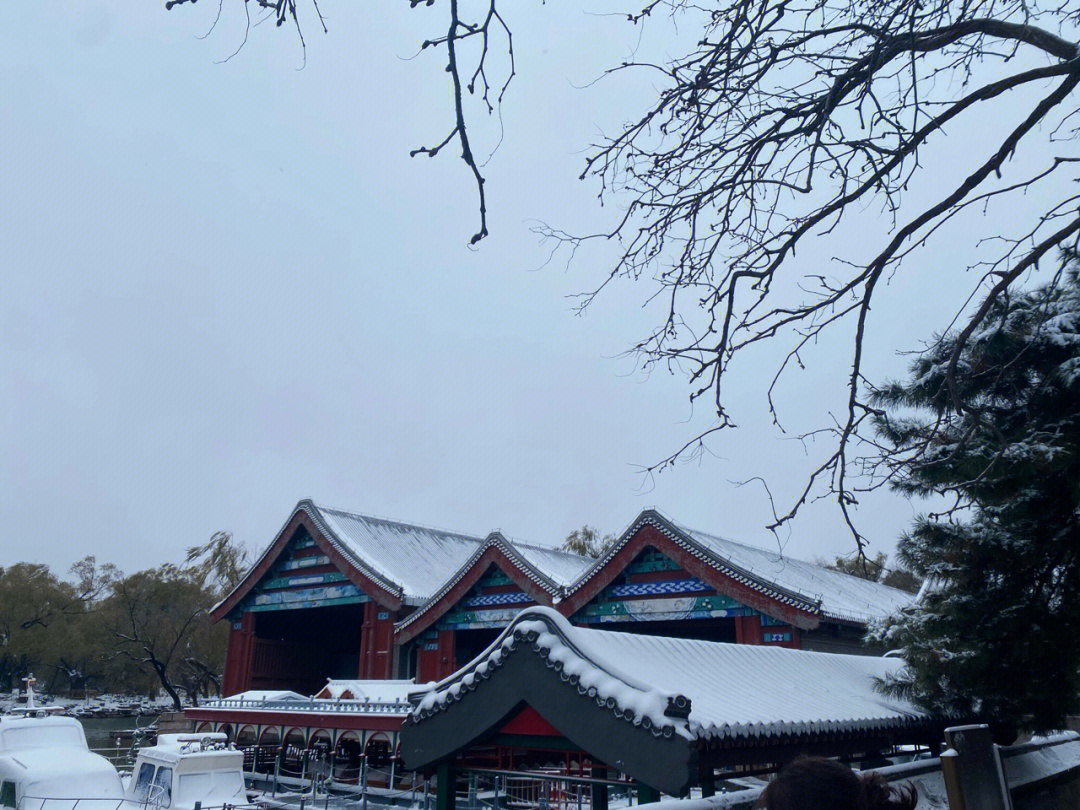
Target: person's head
812 783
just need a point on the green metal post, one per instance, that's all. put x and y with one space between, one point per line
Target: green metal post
445 796
708 783
599 791
646 794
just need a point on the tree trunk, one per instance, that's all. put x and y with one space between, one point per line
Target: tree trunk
168 687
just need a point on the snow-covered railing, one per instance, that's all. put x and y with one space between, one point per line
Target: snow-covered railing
1028 767
309 706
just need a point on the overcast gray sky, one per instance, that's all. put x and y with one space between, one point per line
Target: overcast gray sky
227 287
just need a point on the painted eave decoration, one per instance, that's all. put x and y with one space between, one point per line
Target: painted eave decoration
694 689
514 557
408 564
802 585
694 694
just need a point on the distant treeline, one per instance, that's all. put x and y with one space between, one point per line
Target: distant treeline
99 630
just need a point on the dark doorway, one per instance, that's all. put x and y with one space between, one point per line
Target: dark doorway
301 649
470 643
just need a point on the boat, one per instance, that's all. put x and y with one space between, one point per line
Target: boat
185 771
46 764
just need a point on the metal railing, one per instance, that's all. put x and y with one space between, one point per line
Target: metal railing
489 789
316 774
316 705
55 803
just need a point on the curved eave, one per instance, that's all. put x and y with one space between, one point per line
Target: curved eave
602 708
478 699
798 609
306 515
346 551
494 550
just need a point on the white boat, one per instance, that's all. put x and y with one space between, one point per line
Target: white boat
45 764
185 770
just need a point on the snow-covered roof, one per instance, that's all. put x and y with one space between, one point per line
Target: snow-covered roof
417 561
413 560
550 569
396 691
840 595
421 565
658 709
268 695
732 691
559 566
805 585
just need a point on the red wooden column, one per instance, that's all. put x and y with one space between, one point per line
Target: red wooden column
238 658
376 642
427 664
437 663
447 656
748 630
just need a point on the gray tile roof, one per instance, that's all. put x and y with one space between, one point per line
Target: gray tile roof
734 690
419 562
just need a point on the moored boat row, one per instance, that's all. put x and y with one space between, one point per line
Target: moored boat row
46 764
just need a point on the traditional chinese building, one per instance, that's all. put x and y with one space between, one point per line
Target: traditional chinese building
340 597
667 713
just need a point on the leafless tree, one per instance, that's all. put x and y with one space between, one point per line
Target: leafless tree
787 117
784 118
470 30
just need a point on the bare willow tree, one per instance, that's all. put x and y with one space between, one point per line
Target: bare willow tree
783 119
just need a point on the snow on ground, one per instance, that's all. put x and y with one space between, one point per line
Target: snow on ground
101 706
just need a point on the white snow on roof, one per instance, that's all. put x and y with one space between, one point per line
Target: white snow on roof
268 695
415 558
842 596
734 690
420 561
560 566
550 568
422 564
396 691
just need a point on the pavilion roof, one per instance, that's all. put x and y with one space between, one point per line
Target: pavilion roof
648 703
732 690
807 585
421 566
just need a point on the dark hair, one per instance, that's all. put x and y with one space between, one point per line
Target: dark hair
813 783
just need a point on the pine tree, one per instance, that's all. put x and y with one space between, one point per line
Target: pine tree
997 630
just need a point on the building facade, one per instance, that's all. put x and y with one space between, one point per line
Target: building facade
340 597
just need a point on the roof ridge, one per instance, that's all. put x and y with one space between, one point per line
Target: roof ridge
396 522
480 539
783 557
541 547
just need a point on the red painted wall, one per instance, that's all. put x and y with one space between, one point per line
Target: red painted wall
748 630
530 721
238 658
